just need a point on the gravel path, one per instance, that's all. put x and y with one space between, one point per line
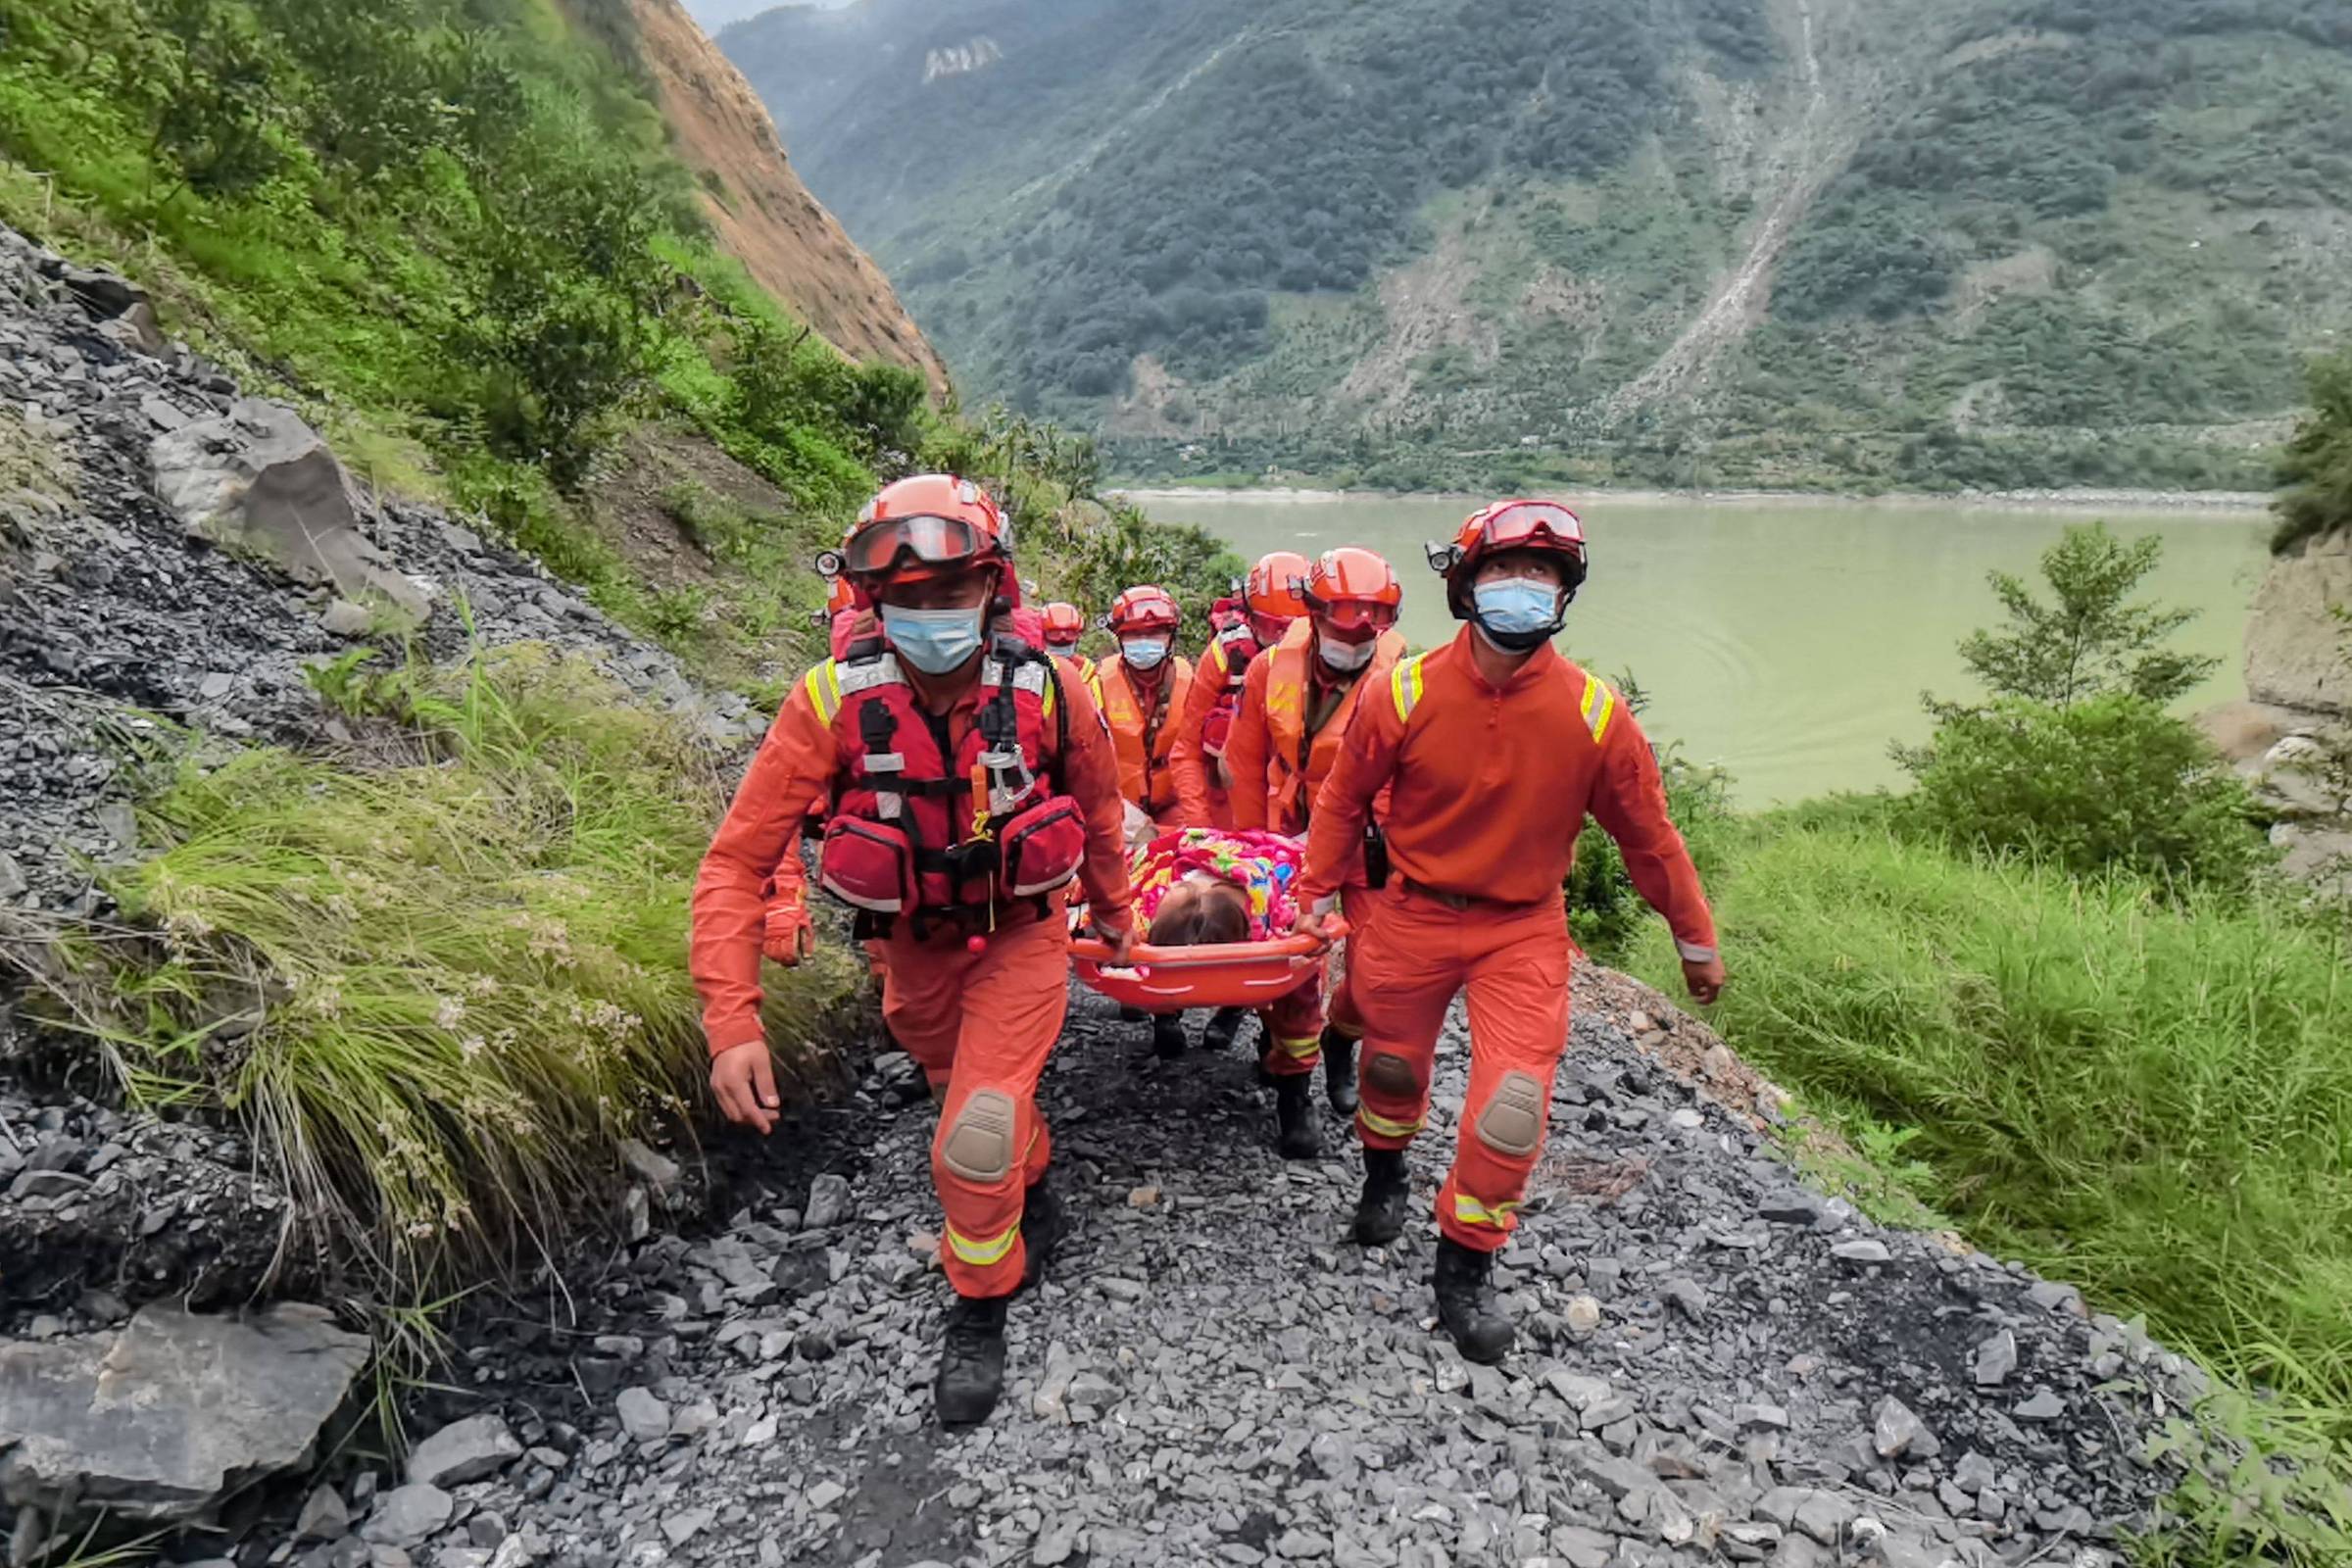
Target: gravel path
1715 1366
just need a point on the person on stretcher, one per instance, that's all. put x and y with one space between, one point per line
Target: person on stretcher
1201 887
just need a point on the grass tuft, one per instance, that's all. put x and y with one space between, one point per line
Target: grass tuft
2148 1094
442 989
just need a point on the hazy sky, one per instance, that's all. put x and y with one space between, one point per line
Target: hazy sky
716 14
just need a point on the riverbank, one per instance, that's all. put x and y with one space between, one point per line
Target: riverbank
2219 502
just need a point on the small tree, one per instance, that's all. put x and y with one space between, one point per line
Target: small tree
2315 471
2091 641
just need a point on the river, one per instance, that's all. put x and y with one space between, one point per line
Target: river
1788 642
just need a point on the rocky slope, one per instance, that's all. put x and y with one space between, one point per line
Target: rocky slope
758 208
1998 243
1718 1366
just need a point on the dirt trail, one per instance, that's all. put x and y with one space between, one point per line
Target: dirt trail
1813 152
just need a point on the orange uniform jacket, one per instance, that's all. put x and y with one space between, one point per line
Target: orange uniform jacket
1489 788
799 768
1195 769
1270 790
1145 735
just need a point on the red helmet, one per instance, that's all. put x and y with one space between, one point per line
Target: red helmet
1142 609
1271 589
932 524
1065 625
1544 525
1226 612
1352 588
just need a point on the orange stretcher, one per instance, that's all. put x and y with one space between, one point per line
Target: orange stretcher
1236 975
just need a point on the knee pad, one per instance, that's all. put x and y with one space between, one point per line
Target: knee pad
977 1144
1512 1123
1392 1075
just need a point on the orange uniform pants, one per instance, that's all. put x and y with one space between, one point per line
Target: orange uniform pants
981 1024
1412 956
1294 1027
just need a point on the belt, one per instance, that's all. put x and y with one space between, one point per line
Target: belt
1464 901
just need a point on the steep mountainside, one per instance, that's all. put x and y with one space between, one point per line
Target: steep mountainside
758 210
1899 242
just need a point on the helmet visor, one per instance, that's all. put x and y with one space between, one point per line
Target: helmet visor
1355 614
1534 523
932 541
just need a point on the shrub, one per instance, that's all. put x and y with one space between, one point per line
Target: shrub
2090 639
2315 469
2115 781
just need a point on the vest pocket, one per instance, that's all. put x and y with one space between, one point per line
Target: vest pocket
867 865
1043 847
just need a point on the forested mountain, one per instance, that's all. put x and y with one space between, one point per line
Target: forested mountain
1784 241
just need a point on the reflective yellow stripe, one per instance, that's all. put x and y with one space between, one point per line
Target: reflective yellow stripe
1373 1121
824 690
981 1253
1470 1211
1300 1048
1601 706
1053 692
1404 685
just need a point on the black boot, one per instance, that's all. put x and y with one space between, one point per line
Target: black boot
1167 1036
972 1361
1339 1070
1043 1225
1388 1189
1223 1026
1295 1112
1467 1305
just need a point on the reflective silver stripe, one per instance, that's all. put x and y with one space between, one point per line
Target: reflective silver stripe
864 677
1030 678
886 763
1693 953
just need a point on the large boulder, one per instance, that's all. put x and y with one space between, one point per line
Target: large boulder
152 1423
258 480
2295 651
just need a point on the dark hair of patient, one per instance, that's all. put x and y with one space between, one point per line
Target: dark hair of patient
1196 915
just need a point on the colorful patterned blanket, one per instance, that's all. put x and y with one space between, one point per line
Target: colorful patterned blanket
1262 864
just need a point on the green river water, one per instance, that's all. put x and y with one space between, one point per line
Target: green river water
1788 642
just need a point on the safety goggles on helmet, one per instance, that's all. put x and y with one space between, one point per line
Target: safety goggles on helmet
1512 526
891 542
1355 615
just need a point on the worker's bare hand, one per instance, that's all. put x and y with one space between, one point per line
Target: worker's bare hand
744 1079
1310 921
1705 980
1121 943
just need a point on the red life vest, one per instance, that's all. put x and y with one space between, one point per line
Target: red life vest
937 838
1227 662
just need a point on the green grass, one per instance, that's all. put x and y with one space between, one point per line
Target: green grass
2151 1098
442 987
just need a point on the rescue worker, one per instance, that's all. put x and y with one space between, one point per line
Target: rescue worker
1065 626
1298 704
840 615
1252 620
1141 692
1492 749
1267 604
968 785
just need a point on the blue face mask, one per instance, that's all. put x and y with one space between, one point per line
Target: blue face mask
1144 653
1517 612
933 641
